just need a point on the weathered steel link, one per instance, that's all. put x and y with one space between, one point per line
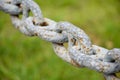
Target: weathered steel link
25 6
113 56
80 51
46 32
38 17
7 7
80 38
79 45
20 25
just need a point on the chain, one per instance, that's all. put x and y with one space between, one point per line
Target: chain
80 51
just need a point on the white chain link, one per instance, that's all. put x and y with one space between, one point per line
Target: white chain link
80 51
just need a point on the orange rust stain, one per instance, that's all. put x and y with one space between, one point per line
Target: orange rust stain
76 43
75 63
87 50
81 40
83 46
44 24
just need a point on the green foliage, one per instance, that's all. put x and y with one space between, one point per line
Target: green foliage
26 58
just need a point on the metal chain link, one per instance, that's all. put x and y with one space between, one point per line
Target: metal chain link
80 51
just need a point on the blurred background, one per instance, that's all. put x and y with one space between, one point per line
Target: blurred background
30 58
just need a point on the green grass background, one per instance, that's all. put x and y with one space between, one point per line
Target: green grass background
30 58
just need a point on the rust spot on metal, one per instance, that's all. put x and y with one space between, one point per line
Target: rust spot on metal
33 21
81 40
101 67
44 24
74 63
72 40
87 50
36 34
83 46
76 43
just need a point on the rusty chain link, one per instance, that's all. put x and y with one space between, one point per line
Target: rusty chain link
80 51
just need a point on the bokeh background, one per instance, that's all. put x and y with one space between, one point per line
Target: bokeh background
30 58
